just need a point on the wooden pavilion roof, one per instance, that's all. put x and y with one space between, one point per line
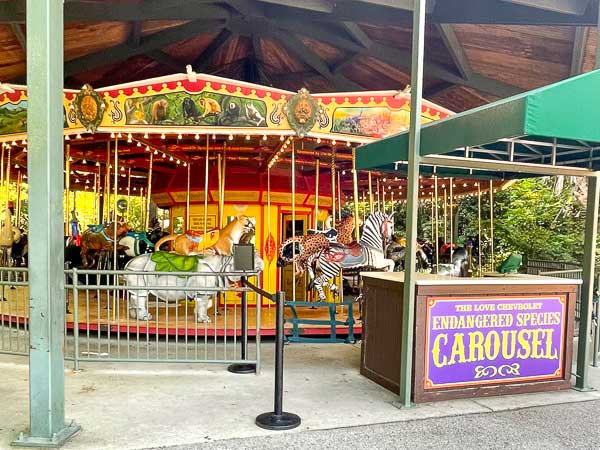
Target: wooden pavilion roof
477 50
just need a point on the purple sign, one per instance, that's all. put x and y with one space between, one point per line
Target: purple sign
471 340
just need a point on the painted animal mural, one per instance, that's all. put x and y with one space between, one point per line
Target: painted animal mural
205 109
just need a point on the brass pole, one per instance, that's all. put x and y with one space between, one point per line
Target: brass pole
294 220
148 193
18 210
95 197
115 194
107 183
370 193
187 198
479 247
333 185
355 192
223 167
220 183
445 215
128 191
339 196
492 225
67 187
378 197
451 219
316 219
437 246
206 188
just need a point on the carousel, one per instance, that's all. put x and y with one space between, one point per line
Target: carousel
192 163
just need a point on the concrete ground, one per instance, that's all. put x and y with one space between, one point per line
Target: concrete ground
137 406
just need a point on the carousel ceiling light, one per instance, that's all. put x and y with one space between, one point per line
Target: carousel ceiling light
134 188
281 150
119 135
147 148
162 136
83 161
178 162
475 184
179 136
122 168
67 138
265 137
333 142
25 149
197 136
87 181
139 144
25 177
281 138
453 184
231 137
389 188
16 166
343 172
318 140
464 184
145 135
123 175
214 137
347 144
70 159
247 137
112 135
164 156
156 152
78 136
24 142
97 164
185 164
76 180
171 158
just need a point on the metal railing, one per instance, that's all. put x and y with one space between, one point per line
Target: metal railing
110 318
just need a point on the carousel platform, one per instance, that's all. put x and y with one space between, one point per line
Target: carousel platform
110 315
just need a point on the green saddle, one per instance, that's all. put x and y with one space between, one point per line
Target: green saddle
97 228
171 262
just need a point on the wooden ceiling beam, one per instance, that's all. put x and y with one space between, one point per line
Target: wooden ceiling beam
408 5
322 6
455 49
576 7
578 55
135 34
201 63
154 41
166 60
18 32
357 33
86 11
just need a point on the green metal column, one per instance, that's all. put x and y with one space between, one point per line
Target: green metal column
408 307
45 164
589 260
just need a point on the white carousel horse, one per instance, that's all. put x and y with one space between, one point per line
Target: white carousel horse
209 263
368 252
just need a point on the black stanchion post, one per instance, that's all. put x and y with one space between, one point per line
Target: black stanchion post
278 420
244 367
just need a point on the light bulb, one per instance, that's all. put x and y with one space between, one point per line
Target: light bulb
231 137
197 136
179 136
162 136
265 137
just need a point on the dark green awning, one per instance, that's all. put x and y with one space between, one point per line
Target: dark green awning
558 124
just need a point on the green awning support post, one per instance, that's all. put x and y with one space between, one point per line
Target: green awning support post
45 176
589 262
408 304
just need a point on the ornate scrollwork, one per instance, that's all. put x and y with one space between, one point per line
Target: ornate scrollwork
323 119
276 115
504 370
89 107
116 114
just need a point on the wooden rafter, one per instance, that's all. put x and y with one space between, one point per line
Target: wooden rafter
201 63
581 38
455 49
576 7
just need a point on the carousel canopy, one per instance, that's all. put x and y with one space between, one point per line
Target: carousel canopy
553 129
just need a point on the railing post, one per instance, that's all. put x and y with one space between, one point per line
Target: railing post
244 367
75 320
278 420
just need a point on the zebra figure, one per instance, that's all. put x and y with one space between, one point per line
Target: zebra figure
368 252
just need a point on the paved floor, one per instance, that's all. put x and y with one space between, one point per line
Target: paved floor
573 426
138 406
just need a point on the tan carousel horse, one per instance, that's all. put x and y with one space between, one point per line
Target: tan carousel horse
219 242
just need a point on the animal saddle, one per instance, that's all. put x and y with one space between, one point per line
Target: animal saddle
172 262
140 236
338 253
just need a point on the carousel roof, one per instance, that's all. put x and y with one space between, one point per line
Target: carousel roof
476 51
553 129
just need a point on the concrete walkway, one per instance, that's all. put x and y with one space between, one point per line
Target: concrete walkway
135 406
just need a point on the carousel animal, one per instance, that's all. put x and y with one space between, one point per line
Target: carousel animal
461 264
219 242
301 248
209 263
254 115
138 243
369 252
189 109
396 251
97 239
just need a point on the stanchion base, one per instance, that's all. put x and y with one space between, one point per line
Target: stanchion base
276 422
242 368
57 440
